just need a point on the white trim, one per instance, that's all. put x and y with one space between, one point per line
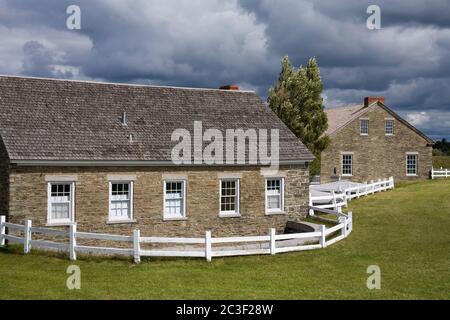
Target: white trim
360 126
278 210
114 220
137 163
183 215
416 163
230 214
342 163
385 126
60 222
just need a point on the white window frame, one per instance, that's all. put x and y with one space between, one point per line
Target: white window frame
342 163
385 127
361 126
277 210
166 216
113 219
416 154
236 212
71 219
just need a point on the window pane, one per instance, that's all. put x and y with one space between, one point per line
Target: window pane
173 198
364 126
389 127
347 163
228 199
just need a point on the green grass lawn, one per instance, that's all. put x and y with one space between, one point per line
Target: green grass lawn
441 162
406 232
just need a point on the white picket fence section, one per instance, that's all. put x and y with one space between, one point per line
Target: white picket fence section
335 201
440 173
205 247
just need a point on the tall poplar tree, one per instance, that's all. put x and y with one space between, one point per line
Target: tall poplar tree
296 99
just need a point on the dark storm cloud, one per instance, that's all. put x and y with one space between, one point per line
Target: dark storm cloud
208 43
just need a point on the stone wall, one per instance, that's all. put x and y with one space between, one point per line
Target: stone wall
376 155
28 200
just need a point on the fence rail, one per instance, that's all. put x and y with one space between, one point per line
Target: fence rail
440 173
335 201
201 247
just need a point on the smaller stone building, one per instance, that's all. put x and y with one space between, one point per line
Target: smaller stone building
100 155
371 141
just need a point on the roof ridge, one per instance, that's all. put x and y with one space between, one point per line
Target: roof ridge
124 84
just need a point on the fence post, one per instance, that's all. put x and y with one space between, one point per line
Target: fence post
208 246
2 230
27 237
432 173
72 241
137 245
373 186
272 241
311 211
323 238
350 221
334 200
343 220
391 180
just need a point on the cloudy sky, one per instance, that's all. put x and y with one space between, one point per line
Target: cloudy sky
209 43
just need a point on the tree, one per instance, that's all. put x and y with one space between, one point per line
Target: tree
296 99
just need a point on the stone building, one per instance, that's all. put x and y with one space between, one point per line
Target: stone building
100 155
371 141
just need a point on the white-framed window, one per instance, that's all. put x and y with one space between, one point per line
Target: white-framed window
174 199
411 163
120 201
389 127
61 204
229 197
347 164
364 127
274 195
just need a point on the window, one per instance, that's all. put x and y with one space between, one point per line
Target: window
60 202
274 195
347 164
121 201
174 200
229 197
364 127
389 127
411 164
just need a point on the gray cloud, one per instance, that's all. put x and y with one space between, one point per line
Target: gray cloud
208 43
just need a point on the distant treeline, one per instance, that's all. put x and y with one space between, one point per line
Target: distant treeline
442 148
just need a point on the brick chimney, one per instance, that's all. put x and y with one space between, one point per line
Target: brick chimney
230 87
369 100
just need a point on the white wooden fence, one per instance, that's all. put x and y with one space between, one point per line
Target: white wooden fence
204 247
335 201
440 173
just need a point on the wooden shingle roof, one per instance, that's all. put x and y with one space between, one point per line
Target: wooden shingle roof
44 119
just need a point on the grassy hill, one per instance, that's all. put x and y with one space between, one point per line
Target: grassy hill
406 232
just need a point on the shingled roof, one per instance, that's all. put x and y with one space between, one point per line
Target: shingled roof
340 117
57 120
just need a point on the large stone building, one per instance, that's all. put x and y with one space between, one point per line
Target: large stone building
370 141
99 155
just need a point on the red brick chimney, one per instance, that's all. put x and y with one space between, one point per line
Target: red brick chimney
369 100
230 87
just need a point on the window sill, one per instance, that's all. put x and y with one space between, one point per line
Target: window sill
364 134
389 134
347 175
412 175
121 222
175 219
275 213
229 215
59 224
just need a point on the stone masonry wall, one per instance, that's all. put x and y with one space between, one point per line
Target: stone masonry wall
376 155
28 200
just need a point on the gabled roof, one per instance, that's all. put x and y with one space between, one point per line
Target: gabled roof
340 117
62 120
